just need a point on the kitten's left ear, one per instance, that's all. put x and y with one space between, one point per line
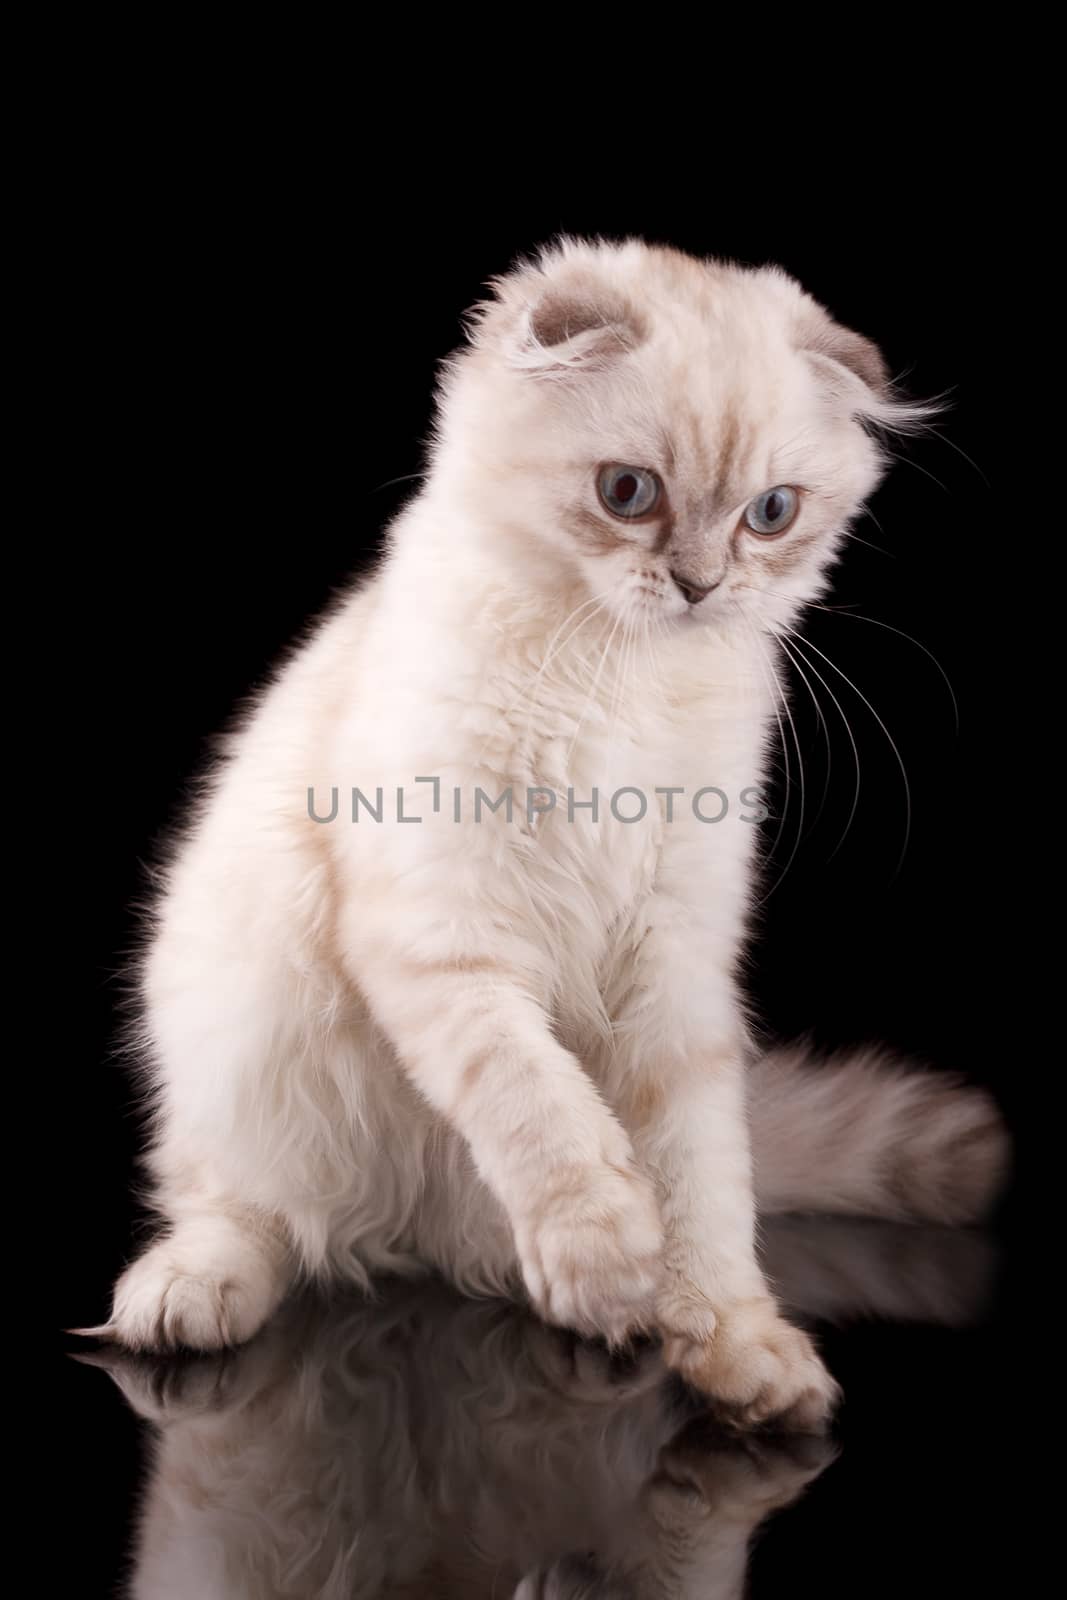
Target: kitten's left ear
558 317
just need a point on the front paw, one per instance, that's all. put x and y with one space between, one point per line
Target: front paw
734 1477
206 1286
758 1366
591 1253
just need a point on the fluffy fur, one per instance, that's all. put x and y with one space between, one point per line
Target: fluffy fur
516 1049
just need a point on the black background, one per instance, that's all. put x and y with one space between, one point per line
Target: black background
240 383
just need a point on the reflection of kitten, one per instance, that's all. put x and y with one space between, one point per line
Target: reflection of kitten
514 1047
438 1447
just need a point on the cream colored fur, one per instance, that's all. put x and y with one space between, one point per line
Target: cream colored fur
517 1051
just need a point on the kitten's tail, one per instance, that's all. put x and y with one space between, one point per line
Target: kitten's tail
866 1135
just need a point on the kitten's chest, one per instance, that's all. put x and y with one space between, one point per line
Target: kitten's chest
612 789
604 813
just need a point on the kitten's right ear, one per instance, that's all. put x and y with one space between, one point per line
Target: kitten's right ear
552 324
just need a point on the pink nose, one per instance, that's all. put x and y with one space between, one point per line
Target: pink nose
694 592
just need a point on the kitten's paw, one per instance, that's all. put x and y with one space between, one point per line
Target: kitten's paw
593 1372
591 1258
175 1388
204 1293
167 1389
759 1367
742 1478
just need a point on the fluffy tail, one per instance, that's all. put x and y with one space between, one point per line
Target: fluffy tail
866 1135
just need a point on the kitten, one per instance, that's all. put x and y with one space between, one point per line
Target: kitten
495 1027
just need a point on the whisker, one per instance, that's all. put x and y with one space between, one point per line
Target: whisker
621 683
553 650
791 653
870 546
781 735
655 630
876 622
589 697
889 737
632 659
925 427
780 694
405 477
531 691
798 641
908 462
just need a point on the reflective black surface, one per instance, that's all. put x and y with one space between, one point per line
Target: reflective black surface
237 364
428 1445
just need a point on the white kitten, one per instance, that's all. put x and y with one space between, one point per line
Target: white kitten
513 1047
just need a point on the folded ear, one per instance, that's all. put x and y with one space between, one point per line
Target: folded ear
854 369
854 353
835 346
575 325
557 316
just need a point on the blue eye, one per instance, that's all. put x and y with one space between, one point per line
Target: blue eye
773 511
628 491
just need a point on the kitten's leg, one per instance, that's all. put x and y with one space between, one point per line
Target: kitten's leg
211 1281
720 1325
479 1046
678 1079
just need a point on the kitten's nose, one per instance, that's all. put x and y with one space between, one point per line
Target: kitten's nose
694 592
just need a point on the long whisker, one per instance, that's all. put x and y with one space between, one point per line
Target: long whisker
870 546
531 691
621 683
892 744
798 641
844 611
780 695
877 623
791 653
781 735
867 512
633 661
554 649
629 658
405 477
551 650
908 462
925 427
655 628
593 689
